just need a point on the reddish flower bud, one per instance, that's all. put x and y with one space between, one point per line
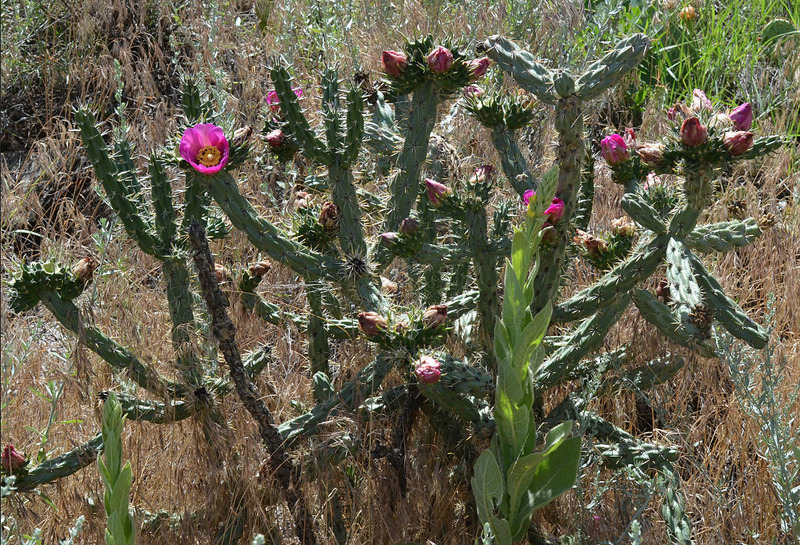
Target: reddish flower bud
737 142
472 91
276 138
371 323
436 192
11 459
742 117
329 216
274 101
693 133
555 211
427 370
440 59
478 67
651 154
409 227
614 149
594 246
394 63
672 114
259 269
699 99
389 239
84 269
242 136
434 316
481 174
652 181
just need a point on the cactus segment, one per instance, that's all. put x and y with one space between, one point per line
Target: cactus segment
319 351
644 377
642 212
563 363
761 146
117 356
181 313
626 450
684 220
263 234
129 210
529 74
165 217
723 236
351 233
670 324
683 286
312 147
515 167
155 412
366 382
726 311
640 265
602 74
322 386
583 210
355 127
60 466
36 278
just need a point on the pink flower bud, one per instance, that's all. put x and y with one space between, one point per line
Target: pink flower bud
427 370
409 227
742 117
472 91
434 316
738 142
275 138
629 137
672 114
652 180
440 59
371 323
693 133
478 67
700 101
389 239
12 460
527 196
594 246
662 291
481 174
394 63
555 211
651 154
437 192
614 149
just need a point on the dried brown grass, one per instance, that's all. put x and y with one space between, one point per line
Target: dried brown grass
177 470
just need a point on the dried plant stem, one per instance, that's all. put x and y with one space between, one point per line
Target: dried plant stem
225 332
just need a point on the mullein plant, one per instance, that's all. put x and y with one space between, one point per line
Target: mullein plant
511 479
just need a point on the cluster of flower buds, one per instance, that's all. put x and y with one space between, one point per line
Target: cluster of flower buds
440 60
12 460
427 370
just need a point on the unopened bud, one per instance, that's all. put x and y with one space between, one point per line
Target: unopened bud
302 200
555 211
371 323
473 91
409 227
687 14
427 370
482 174
623 227
329 216
614 149
436 192
594 246
394 63
699 99
693 133
440 59
738 142
242 136
662 291
548 233
276 138
259 269
742 117
11 459
389 239
220 272
84 269
388 285
434 316
651 154
478 67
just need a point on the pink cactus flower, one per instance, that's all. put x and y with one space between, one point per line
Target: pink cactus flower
693 133
394 63
614 149
276 138
700 101
11 459
555 211
478 67
473 91
440 59
742 117
427 370
274 101
437 192
527 196
205 147
737 142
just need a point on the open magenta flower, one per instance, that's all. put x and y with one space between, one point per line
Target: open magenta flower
274 101
614 149
205 147
555 211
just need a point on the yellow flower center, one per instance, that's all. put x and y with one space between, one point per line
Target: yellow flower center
209 156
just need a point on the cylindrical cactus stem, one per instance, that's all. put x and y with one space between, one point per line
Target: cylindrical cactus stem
122 201
683 287
583 212
432 279
670 324
115 355
570 153
486 274
605 72
643 213
405 186
354 135
351 229
723 236
196 201
181 313
698 186
529 74
515 167
319 352
165 216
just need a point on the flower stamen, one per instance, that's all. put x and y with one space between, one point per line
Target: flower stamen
209 156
